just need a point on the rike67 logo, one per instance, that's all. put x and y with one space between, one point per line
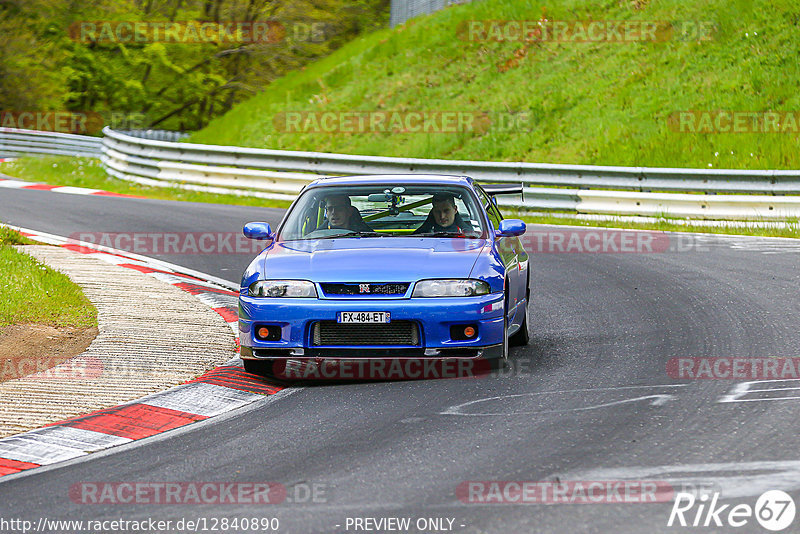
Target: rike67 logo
774 510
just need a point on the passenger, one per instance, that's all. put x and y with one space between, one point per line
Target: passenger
443 217
340 213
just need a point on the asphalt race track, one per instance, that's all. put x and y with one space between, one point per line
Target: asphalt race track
590 399
70 215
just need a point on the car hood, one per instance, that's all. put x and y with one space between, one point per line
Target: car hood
382 259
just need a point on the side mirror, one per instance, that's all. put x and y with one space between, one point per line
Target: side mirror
511 227
257 230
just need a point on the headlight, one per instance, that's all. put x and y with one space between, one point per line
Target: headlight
450 288
282 288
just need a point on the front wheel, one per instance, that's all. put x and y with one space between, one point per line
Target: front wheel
522 336
505 339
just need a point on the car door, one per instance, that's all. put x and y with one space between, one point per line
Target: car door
508 249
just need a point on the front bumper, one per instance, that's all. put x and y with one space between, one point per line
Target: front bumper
433 317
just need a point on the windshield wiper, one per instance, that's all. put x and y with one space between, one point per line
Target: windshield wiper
334 236
442 234
361 234
347 234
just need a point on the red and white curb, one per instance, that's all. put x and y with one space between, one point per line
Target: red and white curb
218 391
7 160
11 183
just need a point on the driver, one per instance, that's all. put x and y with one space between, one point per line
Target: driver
340 213
443 217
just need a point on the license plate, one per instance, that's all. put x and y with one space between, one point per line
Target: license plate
363 317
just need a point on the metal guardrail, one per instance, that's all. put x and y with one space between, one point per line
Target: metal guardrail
697 193
209 168
157 135
402 10
153 158
15 142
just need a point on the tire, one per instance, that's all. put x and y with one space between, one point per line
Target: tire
259 367
504 357
522 336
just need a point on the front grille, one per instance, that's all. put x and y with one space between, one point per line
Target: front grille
388 288
331 333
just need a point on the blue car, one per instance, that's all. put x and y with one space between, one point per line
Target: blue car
386 266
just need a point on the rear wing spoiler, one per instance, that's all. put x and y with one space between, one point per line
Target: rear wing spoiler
504 189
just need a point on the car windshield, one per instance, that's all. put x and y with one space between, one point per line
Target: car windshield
384 210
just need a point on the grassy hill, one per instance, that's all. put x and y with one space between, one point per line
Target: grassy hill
605 103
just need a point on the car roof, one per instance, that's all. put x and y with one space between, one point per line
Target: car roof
379 179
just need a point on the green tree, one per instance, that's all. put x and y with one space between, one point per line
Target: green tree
170 85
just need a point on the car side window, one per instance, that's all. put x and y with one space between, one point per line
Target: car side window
491 209
494 212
